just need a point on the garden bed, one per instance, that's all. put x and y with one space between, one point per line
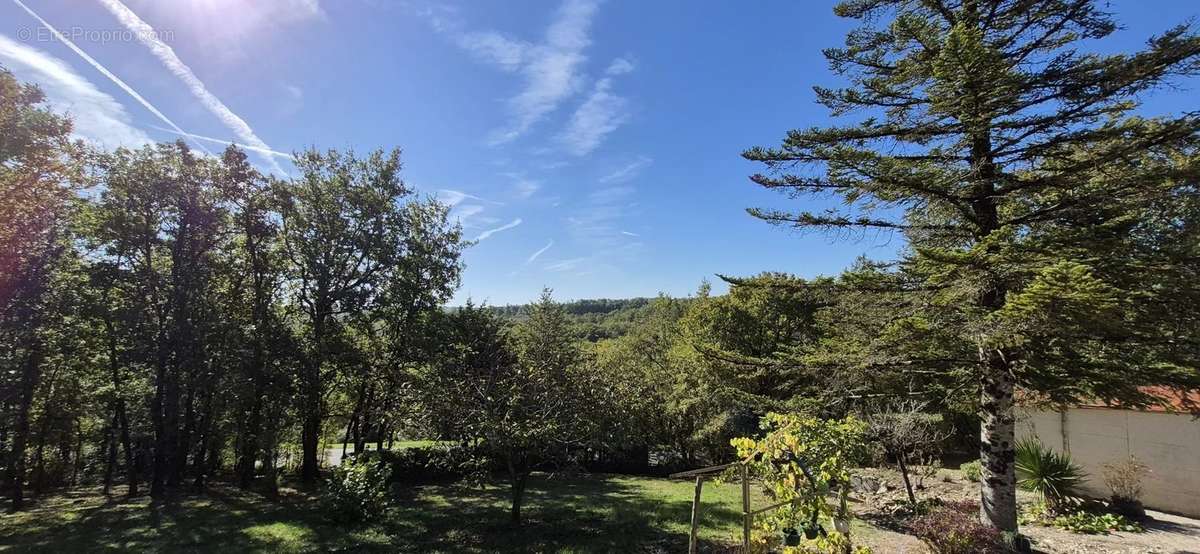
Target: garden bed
1165 533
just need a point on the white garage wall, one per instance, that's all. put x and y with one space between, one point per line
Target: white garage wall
1168 443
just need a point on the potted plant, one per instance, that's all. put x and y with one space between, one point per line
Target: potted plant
791 537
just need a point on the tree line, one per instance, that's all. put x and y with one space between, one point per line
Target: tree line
163 310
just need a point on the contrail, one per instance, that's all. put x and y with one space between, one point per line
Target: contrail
225 142
538 254
504 227
104 71
165 54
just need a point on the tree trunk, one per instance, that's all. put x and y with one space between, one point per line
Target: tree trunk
77 460
131 466
249 439
186 440
120 417
912 498
519 476
110 451
310 435
998 490
16 469
200 465
163 439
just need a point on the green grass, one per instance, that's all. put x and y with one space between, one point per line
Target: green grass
576 513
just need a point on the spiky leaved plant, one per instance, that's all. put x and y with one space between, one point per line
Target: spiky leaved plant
1047 472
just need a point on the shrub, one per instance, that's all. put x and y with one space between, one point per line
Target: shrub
971 470
427 464
954 528
358 490
1051 474
1124 479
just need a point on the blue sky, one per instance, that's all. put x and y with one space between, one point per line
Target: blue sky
591 147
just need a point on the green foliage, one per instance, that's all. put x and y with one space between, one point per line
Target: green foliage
1079 520
429 464
357 490
802 460
1049 473
1032 203
971 470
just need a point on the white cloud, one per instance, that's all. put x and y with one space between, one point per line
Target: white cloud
495 230
526 187
523 186
536 255
630 234
602 113
493 47
619 66
566 265
97 117
550 67
147 36
291 101
628 171
466 211
104 71
451 197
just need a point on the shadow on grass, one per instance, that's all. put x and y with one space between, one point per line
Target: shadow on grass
578 513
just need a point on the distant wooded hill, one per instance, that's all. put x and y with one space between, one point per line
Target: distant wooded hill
596 319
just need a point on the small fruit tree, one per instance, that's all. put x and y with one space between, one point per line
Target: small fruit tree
800 460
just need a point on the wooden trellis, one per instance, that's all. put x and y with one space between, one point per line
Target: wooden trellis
747 514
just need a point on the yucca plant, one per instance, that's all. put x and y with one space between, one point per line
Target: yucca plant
1051 474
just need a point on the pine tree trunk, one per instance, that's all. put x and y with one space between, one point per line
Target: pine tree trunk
998 490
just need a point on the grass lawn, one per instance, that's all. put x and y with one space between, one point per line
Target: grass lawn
576 513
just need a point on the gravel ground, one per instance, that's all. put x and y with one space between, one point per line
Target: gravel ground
1165 533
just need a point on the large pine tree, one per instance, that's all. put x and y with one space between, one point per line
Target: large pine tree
1015 166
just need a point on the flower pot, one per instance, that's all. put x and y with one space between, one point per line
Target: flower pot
811 531
791 537
841 525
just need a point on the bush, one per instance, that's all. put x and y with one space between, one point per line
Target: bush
954 528
429 464
358 490
972 470
1051 474
1124 479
